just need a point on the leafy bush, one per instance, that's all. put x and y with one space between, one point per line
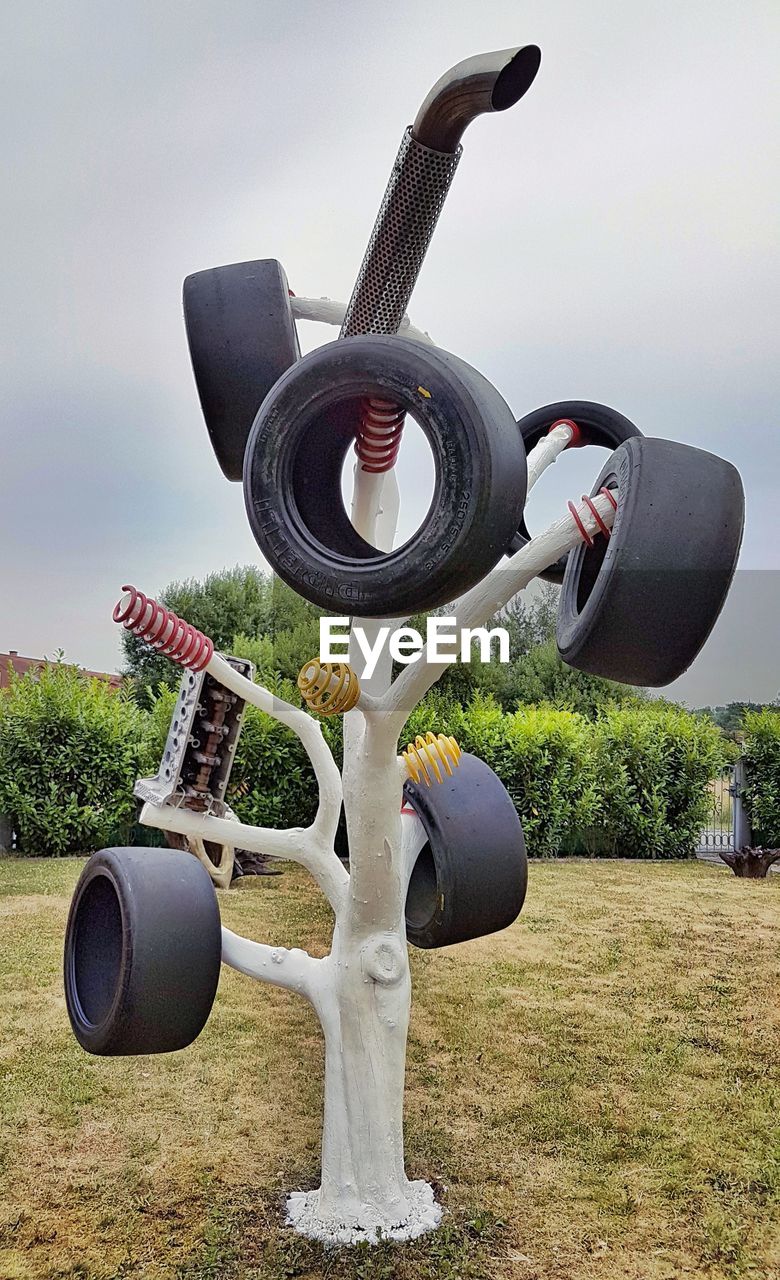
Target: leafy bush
539 753
546 766
272 783
762 770
631 783
653 762
70 751
542 676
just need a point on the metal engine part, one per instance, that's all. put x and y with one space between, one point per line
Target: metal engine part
201 745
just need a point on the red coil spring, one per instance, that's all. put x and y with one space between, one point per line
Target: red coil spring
589 503
163 630
379 437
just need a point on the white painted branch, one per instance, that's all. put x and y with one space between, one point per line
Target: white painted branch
296 844
314 847
293 969
478 605
326 311
376 501
547 451
310 734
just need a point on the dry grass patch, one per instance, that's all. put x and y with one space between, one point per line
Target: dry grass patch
595 1090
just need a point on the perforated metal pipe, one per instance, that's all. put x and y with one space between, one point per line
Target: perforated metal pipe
421 177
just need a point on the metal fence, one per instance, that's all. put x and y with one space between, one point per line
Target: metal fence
726 826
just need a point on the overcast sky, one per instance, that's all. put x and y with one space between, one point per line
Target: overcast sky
613 237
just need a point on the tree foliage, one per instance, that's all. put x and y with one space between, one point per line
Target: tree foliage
731 717
242 601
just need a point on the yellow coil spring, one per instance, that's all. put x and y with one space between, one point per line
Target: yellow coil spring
431 752
329 688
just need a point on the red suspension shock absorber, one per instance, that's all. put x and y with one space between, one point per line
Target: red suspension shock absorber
603 527
379 436
163 630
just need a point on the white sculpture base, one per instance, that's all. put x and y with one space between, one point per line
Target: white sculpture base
424 1214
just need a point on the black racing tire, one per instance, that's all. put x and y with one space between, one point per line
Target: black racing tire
294 460
142 951
638 607
599 425
470 878
242 338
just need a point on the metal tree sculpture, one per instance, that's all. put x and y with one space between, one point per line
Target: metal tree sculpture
361 990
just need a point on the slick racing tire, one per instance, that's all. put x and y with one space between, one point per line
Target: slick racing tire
294 461
470 878
638 607
142 951
598 425
242 338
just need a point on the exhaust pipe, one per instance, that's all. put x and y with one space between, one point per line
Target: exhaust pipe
489 82
421 177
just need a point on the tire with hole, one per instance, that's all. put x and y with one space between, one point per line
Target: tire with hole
142 951
638 607
242 338
294 461
470 878
598 424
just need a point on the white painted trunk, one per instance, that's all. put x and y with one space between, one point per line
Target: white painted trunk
365 1022
363 1003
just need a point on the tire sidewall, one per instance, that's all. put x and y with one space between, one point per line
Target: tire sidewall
660 581
477 847
95 1035
170 954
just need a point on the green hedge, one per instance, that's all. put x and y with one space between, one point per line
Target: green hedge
762 770
652 763
631 782
70 751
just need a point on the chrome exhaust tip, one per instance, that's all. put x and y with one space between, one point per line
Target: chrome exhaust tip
487 82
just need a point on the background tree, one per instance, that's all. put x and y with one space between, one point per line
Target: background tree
731 717
535 672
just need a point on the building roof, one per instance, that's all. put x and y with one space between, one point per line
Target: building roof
20 666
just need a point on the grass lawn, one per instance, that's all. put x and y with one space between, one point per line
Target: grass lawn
595 1092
